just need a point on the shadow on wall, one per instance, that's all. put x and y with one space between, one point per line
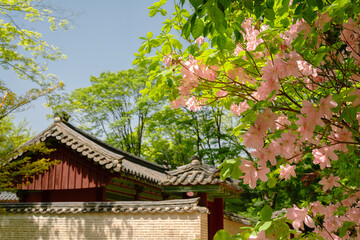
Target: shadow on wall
65 226
100 226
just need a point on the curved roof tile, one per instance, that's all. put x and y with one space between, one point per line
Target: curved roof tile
169 206
197 173
100 152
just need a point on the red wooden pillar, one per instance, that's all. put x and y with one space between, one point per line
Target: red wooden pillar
216 217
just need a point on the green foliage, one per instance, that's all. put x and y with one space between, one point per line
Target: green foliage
250 37
111 108
24 52
15 172
176 135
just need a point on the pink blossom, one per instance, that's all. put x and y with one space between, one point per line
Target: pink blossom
351 37
294 30
266 88
266 154
267 119
282 122
322 20
339 137
269 72
286 171
280 68
332 223
322 156
238 49
238 74
318 208
312 114
286 143
167 61
193 104
200 40
192 71
254 137
238 109
325 107
251 35
306 128
299 217
252 174
329 183
306 69
177 103
221 93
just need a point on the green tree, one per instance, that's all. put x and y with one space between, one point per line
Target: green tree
25 52
290 71
112 108
13 173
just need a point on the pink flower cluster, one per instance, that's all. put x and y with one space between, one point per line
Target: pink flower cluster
351 37
332 222
251 34
252 174
238 109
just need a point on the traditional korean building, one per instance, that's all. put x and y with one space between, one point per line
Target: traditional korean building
97 191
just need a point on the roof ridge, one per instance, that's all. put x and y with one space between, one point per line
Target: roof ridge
112 148
175 205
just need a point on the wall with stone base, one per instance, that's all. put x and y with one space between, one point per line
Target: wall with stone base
129 226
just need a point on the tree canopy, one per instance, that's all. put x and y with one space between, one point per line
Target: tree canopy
25 53
290 71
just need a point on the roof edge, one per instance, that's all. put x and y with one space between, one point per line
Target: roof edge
169 206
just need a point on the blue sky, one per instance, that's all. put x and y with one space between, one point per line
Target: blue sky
104 38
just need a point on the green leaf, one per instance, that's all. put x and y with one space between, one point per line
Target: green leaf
271 182
163 12
222 235
225 3
249 4
149 35
152 12
285 3
166 49
345 227
312 3
218 17
197 28
269 14
320 4
265 226
236 36
221 41
266 213
309 15
186 30
270 3
196 3
319 58
259 11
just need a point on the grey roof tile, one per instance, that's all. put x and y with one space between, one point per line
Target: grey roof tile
100 152
168 206
8 197
197 173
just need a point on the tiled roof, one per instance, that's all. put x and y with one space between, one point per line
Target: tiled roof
238 218
168 206
100 152
8 197
197 173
